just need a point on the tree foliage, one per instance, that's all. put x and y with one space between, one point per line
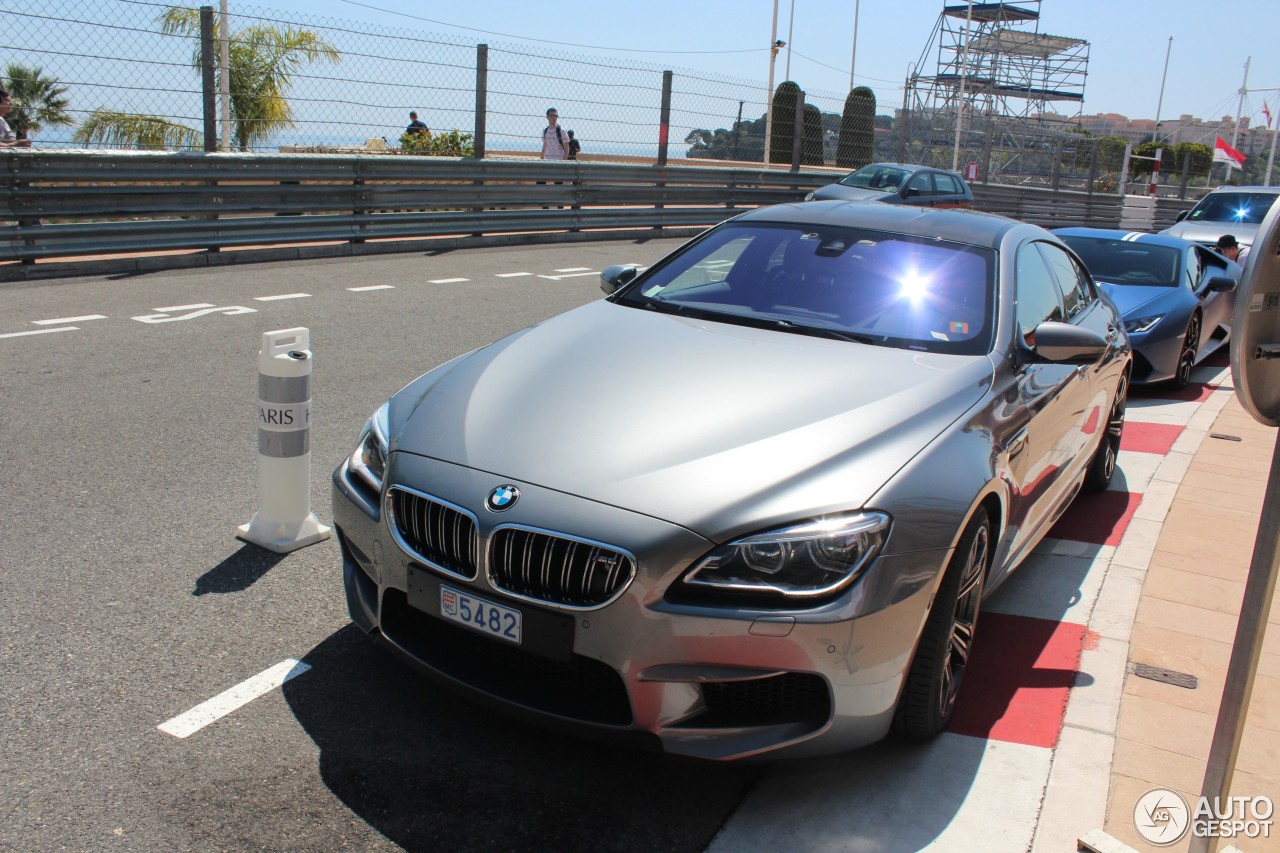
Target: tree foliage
448 143
124 130
744 141
811 153
37 100
857 129
784 122
261 63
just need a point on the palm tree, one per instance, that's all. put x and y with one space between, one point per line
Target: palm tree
125 130
37 100
262 59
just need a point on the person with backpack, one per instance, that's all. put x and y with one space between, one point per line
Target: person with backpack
574 147
555 145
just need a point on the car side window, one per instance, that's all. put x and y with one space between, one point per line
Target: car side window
946 184
1071 284
1039 297
1195 270
920 185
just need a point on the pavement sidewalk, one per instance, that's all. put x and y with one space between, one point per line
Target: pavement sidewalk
1188 588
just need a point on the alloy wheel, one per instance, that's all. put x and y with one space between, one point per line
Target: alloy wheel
964 620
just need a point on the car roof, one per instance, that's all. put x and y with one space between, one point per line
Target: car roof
1231 189
970 227
909 167
1126 236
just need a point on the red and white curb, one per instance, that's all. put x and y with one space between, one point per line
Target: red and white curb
1025 763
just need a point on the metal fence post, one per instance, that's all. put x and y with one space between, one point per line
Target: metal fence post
797 133
208 88
1093 166
1057 164
482 97
664 120
1186 173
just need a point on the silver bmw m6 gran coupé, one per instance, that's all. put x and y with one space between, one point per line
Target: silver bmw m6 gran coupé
750 503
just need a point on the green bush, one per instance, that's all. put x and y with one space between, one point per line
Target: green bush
811 142
857 129
784 122
448 143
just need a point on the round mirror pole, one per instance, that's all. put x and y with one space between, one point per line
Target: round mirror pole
1255 373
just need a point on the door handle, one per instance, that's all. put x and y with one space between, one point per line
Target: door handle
1016 444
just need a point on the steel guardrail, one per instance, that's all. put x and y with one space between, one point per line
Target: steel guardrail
62 204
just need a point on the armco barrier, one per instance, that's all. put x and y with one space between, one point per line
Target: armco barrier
66 204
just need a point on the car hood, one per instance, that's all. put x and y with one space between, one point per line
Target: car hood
1209 232
1131 299
712 426
840 191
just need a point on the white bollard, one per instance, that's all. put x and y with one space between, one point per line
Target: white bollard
284 521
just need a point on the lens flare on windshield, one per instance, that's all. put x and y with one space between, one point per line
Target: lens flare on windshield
1241 214
914 285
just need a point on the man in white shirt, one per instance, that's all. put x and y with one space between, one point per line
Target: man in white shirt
555 145
7 139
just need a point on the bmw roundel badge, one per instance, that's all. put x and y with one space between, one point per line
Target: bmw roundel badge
503 498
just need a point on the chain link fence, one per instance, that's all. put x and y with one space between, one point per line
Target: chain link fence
128 73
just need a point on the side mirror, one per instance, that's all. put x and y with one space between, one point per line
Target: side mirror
1221 284
912 191
1063 343
1182 214
615 276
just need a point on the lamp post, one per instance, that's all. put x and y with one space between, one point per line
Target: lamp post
774 44
1160 101
856 6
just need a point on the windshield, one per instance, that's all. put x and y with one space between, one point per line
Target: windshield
1249 208
855 285
874 177
1127 262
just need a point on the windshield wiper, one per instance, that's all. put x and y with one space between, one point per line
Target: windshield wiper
823 332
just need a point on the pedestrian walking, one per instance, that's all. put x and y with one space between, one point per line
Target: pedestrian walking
416 126
7 138
555 145
574 147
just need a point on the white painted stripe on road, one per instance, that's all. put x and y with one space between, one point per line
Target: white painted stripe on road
512 274
173 308
447 280
372 287
69 320
573 269
185 725
281 296
569 275
40 332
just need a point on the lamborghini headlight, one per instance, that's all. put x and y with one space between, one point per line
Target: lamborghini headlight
805 560
1143 324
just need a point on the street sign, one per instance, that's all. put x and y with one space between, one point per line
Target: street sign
1255 328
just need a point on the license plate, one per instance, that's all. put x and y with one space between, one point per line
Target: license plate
481 614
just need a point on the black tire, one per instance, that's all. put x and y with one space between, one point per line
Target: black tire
938 668
1102 467
1187 355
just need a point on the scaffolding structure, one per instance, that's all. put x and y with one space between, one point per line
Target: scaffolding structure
1003 95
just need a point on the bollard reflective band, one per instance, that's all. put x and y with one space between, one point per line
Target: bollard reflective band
284 416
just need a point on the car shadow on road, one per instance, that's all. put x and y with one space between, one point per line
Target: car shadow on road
432 771
239 571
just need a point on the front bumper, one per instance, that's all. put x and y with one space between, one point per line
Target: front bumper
701 681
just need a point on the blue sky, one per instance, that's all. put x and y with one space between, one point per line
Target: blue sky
1128 41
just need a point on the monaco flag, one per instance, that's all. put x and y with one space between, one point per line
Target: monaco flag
1224 153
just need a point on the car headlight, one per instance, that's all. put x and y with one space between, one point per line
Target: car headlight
809 197
1145 324
369 459
805 560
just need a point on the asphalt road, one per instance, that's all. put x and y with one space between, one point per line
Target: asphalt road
127 459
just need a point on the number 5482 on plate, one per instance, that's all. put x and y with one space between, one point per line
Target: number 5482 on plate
481 614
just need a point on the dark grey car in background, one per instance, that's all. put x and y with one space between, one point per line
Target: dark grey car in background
899 183
751 502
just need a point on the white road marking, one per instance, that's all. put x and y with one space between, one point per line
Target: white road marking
40 332
201 311
512 274
185 725
570 275
173 308
372 287
447 280
281 296
70 320
573 269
